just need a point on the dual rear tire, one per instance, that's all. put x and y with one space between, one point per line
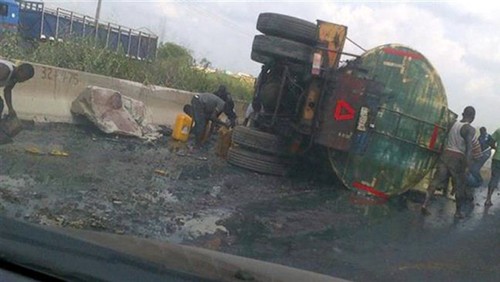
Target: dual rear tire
259 151
287 40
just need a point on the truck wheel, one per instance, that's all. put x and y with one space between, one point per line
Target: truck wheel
263 59
259 58
287 27
258 140
280 48
257 162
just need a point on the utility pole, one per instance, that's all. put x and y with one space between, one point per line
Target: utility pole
163 20
98 11
97 14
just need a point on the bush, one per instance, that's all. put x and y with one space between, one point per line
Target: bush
173 67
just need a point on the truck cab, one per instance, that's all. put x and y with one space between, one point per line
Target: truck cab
9 16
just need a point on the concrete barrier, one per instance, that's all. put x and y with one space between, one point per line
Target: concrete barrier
47 97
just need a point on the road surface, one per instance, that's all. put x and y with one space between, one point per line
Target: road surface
154 190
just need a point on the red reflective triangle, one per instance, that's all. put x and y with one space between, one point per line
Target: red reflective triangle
344 111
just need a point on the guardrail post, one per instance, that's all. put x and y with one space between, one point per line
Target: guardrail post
129 41
42 23
96 31
149 46
118 42
107 35
139 45
57 23
70 23
83 28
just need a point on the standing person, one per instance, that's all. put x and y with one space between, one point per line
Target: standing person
484 142
228 99
10 74
252 111
222 93
230 113
454 162
207 107
495 167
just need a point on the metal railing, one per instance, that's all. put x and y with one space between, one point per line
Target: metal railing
90 26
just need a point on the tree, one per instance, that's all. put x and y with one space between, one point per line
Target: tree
172 52
205 63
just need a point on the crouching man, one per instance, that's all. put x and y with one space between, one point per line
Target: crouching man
10 75
207 107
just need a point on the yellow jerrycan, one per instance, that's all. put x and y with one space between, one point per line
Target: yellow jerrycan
182 127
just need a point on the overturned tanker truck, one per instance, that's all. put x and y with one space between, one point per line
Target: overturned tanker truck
380 118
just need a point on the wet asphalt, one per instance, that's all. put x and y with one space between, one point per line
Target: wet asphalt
129 186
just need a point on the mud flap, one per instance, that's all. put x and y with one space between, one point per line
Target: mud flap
9 128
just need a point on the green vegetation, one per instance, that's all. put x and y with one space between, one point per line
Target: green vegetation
174 66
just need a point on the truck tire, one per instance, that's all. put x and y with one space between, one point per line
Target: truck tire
280 48
257 162
287 27
263 59
258 140
260 58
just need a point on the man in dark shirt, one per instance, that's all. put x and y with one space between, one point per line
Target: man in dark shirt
228 98
486 142
207 107
222 93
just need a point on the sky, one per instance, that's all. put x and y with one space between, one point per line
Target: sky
461 39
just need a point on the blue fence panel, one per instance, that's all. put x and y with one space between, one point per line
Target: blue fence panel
64 27
133 46
113 41
49 25
36 21
30 23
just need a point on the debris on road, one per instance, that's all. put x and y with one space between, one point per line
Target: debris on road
161 172
183 154
58 153
115 113
34 151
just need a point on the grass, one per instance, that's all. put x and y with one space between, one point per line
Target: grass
173 67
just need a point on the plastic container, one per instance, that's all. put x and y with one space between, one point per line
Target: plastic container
182 127
223 142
